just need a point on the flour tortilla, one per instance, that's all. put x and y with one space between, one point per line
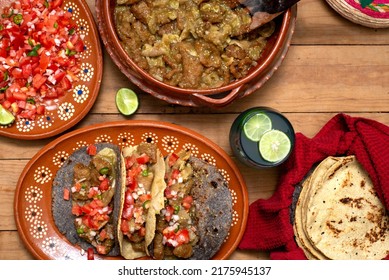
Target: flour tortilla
344 217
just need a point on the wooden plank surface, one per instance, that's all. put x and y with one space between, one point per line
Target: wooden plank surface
332 66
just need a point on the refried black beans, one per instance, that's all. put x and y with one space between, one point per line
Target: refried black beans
192 44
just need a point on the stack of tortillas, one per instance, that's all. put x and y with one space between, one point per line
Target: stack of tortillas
338 214
369 13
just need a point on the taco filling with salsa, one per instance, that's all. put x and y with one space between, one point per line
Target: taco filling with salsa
198 210
143 179
85 212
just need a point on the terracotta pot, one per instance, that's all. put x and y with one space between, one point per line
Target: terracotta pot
270 60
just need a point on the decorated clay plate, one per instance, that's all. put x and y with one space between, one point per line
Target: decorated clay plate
78 101
369 13
33 204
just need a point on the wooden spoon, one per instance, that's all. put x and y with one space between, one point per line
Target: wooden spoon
263 11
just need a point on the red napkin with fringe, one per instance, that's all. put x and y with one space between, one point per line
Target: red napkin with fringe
268 227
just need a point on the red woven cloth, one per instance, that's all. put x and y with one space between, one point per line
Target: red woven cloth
269 227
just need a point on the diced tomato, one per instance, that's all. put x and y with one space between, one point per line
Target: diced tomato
40 110
90 254
104 185
20 82
4 46
50 93
44 61
187 202
27 115
38 81
129 199
129 162
91 150
26 71
90 222
92 193
79 46
182 236
175 174
124 226
45 40
6 104
131 182
103 235
56 3
76 210
143 159
73 39
96 203
17 73
128 212
172 159
66 194
23 61
77 186
86 209
168 193
101 249
65 84
20 96
59 76
169 213
134 171
144 197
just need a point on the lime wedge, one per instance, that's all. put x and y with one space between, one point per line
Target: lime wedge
274 145
256 126
6 116
126 101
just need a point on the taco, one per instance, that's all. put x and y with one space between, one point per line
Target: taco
141 198
198 210
86 199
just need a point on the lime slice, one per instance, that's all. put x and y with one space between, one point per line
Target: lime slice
6 116
126 101
256 126
274 145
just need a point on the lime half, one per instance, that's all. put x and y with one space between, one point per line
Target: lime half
126 101
256 126
274 145
6 116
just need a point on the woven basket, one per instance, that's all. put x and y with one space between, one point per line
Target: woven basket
374 15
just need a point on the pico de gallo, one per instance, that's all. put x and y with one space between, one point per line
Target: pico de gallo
91 194
137 198
39 56
176 232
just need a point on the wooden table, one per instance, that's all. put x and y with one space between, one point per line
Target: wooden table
332 66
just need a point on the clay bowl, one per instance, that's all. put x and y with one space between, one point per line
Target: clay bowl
77 102
271 58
